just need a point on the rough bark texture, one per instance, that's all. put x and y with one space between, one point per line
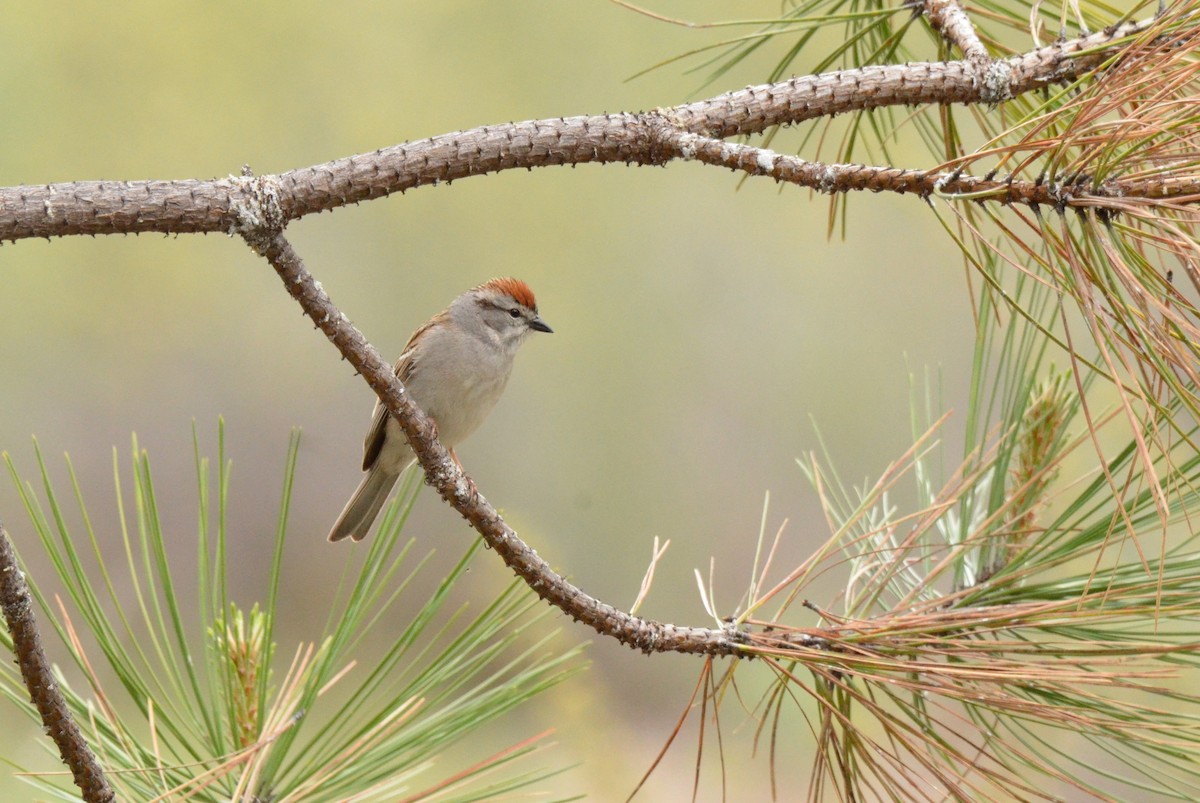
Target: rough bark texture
43 689
460 493
259 208
217 205
950 19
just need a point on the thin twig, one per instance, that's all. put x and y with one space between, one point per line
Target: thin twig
43 689
949 184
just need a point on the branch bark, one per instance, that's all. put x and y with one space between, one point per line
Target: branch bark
454 486
39 679
648 138
259 208
950 19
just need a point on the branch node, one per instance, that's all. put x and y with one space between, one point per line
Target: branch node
827 183
687 145
996 83
256 208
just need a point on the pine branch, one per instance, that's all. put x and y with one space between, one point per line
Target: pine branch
458 490
834 179
39 679
923 648
218 205
950 19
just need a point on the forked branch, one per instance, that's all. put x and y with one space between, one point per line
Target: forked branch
260 208
648 138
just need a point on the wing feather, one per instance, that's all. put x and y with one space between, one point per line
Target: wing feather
377 434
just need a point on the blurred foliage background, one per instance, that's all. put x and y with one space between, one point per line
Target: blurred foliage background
698 326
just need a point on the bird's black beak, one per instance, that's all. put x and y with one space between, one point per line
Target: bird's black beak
539 325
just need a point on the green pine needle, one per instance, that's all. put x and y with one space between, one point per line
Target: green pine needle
198 701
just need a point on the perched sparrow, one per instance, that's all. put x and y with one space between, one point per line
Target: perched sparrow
455 367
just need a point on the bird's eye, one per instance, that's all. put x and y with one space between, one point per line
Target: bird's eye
515 313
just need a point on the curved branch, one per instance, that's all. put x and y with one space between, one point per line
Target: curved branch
456 488
220 205
39 680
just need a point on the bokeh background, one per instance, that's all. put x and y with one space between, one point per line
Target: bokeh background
700 328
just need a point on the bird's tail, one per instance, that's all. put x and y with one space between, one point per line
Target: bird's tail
360 512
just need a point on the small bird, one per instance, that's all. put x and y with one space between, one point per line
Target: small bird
454 367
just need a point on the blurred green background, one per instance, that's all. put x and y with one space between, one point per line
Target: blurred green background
698 326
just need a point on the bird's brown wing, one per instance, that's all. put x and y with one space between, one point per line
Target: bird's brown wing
374 442
404 366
